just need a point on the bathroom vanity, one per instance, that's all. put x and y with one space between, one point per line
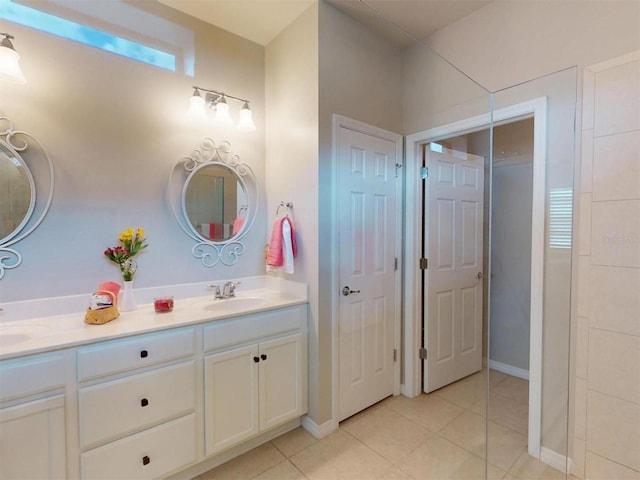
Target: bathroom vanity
151 395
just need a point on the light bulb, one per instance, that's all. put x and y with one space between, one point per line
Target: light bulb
222 116
196 107
9 58
245 119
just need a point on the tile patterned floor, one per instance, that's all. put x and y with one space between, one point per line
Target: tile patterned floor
437 436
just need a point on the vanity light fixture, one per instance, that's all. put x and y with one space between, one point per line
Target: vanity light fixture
9 66
217 101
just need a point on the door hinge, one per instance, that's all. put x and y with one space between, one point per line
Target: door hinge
424 173
395 263
398 167
424 264
423 354
395 354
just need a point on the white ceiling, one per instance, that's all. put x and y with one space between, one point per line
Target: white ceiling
261 20
418 18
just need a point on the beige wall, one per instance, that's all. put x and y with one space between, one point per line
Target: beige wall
114 128
434 93
607 379
291 85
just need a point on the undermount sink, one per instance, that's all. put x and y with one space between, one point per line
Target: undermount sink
14 334
236 303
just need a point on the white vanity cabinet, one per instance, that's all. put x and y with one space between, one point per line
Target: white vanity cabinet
32 417
136 406
255 375
155 404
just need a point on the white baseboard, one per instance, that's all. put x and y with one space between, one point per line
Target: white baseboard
509 369
319 431
555 460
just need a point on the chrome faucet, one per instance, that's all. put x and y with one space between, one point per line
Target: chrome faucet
216 289
228 290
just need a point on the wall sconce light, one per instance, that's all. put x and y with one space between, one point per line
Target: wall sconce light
217 101
9 66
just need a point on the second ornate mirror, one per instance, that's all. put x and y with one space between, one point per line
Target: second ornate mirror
214 199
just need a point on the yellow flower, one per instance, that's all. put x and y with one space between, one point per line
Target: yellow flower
140 232
126 235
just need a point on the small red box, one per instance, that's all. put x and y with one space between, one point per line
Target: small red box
163 304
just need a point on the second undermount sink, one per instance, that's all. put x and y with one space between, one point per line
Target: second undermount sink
236 303
14 334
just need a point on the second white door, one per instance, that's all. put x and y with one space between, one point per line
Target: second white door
367 198
453 288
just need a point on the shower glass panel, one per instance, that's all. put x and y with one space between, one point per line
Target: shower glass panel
530 275
509 415
446 118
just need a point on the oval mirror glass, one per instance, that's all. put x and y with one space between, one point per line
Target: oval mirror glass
17 192
215 202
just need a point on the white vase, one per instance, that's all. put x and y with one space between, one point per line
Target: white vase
127 298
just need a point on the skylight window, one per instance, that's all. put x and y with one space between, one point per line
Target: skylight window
45 22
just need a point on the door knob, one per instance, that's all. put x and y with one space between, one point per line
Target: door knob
479 275
346 291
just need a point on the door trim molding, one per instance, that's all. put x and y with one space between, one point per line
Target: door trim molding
536 108
340 121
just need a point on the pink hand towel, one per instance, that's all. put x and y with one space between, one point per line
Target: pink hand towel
274 253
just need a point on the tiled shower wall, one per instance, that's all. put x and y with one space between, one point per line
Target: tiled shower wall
607 399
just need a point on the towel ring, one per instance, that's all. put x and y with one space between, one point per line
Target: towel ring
287 205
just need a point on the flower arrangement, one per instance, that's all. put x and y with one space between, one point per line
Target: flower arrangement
133 242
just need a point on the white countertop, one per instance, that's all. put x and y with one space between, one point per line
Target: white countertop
43 334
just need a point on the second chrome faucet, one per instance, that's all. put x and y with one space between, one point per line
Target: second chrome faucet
228 290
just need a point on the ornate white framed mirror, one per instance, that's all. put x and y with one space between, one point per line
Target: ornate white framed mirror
213 196
26 190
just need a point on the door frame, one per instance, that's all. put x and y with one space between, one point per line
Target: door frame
537 109
340 121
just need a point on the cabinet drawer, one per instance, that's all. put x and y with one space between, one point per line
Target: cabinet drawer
113 409
32 375
252 328
154 453
122 355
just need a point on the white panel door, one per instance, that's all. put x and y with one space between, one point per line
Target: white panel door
367 241
453 281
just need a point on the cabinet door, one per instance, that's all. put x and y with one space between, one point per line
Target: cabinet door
280 381
231 397
32 440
